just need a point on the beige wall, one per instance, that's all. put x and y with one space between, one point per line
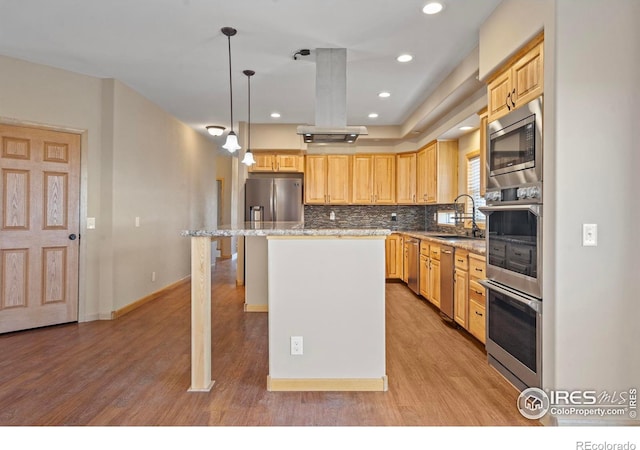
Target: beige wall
468 143
136 161
163 172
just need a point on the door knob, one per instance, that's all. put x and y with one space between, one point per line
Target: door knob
72 237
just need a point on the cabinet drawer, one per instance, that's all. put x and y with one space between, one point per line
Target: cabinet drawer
477 321
477 267
462 259
424 248
434 252
477 292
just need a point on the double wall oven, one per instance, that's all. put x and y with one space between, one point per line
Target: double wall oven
514 245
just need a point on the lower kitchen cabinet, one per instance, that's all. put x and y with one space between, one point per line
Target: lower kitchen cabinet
434 275
405 260
477 321
477 297
424 275
461 288
394 256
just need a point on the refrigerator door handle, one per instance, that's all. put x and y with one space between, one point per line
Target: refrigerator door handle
275 202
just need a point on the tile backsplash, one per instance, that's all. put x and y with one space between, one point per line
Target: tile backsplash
409 217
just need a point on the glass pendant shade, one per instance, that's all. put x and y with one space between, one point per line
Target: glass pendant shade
248 159
231 143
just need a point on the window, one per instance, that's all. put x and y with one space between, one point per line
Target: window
473 185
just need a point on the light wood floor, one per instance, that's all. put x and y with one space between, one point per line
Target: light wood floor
136 371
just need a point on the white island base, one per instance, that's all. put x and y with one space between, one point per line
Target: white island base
325 286
329 291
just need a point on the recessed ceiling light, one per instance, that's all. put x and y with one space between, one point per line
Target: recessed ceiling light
373 115
275 115
404 58
215 130
384 94
432 8
466 128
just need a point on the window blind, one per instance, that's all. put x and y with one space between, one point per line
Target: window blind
473 187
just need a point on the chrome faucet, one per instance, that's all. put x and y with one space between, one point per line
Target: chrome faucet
475 230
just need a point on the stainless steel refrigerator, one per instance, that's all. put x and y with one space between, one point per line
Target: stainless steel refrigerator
273 200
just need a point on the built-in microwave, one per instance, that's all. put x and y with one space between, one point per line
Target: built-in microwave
514 147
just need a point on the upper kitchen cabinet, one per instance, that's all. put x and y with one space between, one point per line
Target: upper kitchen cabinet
438 172
406 178
519 81
277 162
374 179
327 179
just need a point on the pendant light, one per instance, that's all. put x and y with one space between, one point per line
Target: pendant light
248 156
232 140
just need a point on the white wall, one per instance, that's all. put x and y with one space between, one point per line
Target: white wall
135 160
164 173
597 165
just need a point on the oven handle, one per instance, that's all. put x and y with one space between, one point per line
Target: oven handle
519 297
535 209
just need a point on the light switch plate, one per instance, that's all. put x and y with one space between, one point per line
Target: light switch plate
91 223
589 235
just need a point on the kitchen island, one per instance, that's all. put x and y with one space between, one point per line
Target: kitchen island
326 304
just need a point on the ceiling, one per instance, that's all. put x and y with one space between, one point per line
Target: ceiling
173 52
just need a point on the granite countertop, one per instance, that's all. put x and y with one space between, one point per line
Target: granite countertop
475 245
282 229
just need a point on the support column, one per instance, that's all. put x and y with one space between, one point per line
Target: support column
201 315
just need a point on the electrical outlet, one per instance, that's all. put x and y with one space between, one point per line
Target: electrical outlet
296 345
332 215
153 276
394 217
137 222
589 235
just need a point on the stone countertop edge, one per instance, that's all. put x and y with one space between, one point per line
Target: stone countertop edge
478 246
286 232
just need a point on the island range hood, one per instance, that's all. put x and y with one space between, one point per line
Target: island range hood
331 101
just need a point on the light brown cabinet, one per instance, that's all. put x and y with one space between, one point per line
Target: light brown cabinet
405 260
394 256
461 287
434 274
520 81
277 162
327 179
442 172
374 179
424 268
406 178
477 297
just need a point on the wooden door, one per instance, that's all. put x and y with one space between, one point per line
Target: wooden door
288 163
338 176
527 76
315 179
393 253
424 276
264 162
434 282
39 199
431 182
499 90
384 178
362 180
460 292
421 176
406 180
